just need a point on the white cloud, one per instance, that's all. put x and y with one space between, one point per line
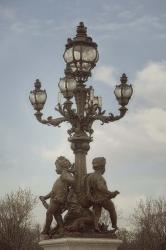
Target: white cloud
63 149
150 84
106 74
130 202
154 123
140 137
143 132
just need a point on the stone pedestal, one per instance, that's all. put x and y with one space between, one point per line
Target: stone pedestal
80 244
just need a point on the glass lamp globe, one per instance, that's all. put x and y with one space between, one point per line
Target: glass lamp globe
123 92
67 86
38 96
81 54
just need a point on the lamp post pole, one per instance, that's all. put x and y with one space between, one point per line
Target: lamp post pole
80 140
81 56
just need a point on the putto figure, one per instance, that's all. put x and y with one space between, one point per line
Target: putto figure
58 195
98 194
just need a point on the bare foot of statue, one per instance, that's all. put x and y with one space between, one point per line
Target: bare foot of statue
115 228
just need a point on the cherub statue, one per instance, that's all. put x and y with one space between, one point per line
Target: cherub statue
58 195
98 194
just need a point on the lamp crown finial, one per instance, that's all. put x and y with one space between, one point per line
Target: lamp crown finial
123 78
37 84
81 30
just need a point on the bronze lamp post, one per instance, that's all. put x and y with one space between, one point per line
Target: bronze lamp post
81 56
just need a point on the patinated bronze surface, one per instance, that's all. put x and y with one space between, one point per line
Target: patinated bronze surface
83 207
58 195
98 194
80 195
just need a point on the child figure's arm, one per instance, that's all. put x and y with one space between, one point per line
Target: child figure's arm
46 196
68 178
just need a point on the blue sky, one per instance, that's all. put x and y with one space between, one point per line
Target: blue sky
131 38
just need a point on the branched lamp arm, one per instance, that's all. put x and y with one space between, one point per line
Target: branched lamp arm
49 121
111 117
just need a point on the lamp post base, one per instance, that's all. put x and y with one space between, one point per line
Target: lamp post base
80 244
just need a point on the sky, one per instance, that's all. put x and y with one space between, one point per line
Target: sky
131 38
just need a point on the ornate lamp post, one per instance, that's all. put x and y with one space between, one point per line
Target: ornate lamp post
81 56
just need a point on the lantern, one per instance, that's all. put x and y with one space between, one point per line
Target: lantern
38 96
81 54
123 92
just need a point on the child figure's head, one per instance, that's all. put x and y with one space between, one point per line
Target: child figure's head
99 164
61 164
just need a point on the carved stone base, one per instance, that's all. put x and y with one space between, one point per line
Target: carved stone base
80 244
